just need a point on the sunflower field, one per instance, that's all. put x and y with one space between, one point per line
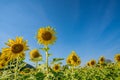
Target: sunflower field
13 67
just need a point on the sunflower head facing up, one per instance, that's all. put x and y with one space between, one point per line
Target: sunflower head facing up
92 62
15 47
73 59
46 36
101 60
35 55
117 57
56 67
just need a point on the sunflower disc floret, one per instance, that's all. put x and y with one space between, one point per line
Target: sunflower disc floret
73 59
16 48
46 35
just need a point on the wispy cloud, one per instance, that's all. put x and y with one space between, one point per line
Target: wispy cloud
108 16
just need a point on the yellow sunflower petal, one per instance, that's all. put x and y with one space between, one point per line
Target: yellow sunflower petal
92 62
15 47
46 35
117 57
73 59
101 60
35 55
56 67
10 42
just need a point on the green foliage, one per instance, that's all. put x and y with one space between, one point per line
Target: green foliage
45 49
57 60
110 71
39 76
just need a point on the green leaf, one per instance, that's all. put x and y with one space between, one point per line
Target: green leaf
36 59
49 55
45 49
39 76
56 60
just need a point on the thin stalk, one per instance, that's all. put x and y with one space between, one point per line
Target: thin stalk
36 64
16 68
46 52
10 65
72 72
47 60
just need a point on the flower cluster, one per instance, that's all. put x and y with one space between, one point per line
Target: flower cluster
73 59
12 65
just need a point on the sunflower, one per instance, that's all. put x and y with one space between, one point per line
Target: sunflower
102 60
56 67
2 64
68 61
73 59
117 57
46 36
88 63
35 55
6 58
15 48
92 62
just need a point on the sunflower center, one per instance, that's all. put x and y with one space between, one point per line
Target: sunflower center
6 58
56 67
74 58
17 48
102 59
118 58
88 64
46 36
92 63
2 64
78 62
35 55
69 61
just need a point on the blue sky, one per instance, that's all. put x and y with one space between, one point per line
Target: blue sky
90 27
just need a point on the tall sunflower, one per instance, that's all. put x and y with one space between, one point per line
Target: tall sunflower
46 35
101 60
73 59
56 67
15 47
117 57
35 55
92 62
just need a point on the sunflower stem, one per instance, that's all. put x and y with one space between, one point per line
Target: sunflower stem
36 64
47 60
72 72
16 68
10 65
46 51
